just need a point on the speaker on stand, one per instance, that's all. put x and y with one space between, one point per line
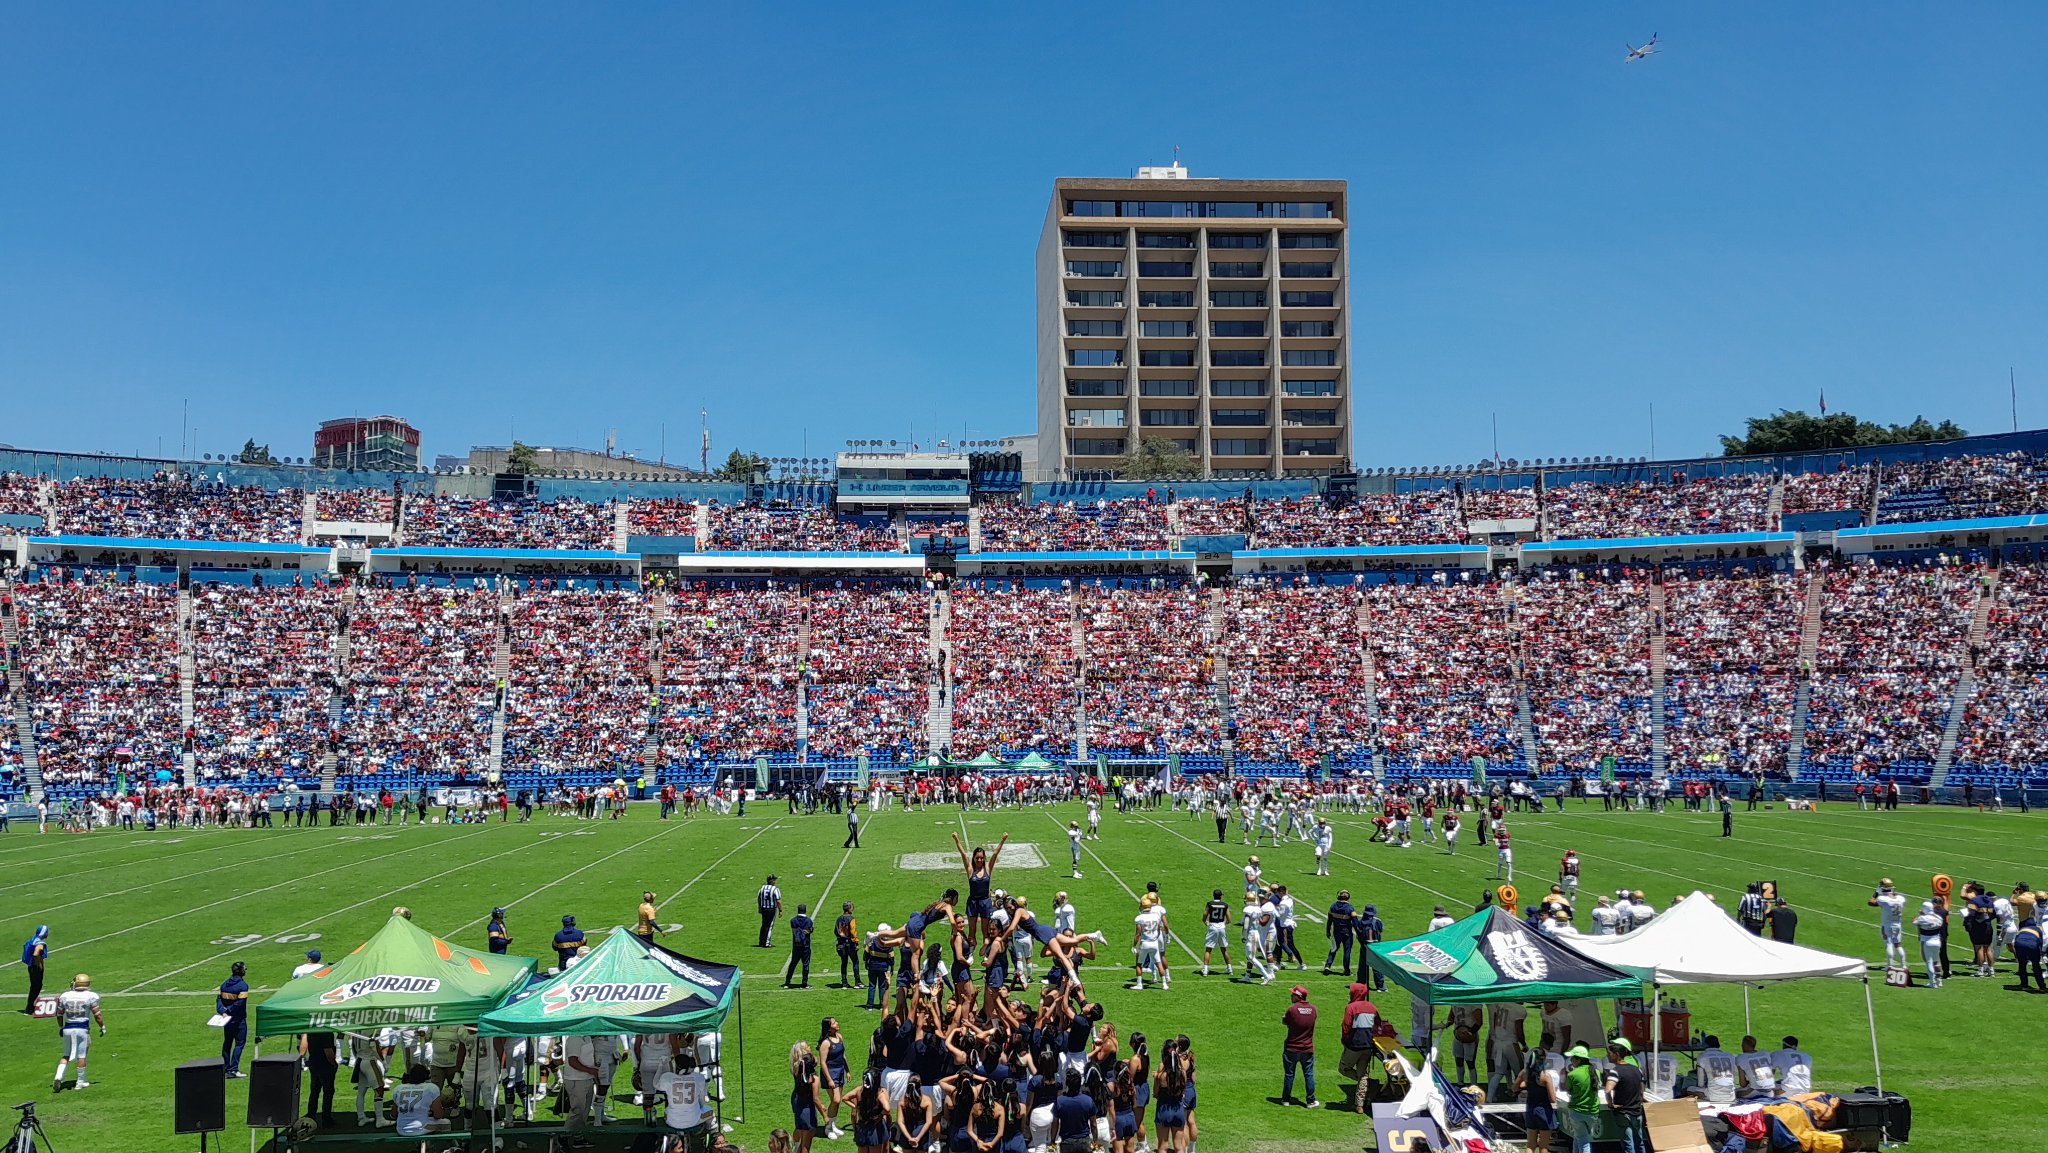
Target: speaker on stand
274 1085
200 1098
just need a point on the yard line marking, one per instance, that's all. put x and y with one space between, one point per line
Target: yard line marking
1942 850
765 830
333 912
260 860
1126 888
1311 914
222 901
640 844
127 841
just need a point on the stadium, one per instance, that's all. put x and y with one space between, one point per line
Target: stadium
1055 717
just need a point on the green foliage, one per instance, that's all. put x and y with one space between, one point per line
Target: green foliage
253 453
739 468
1789 431
522 460
1157 458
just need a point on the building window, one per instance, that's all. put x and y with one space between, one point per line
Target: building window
1309 358
1237 240
1237 269
1166 328
1237 328
1166 300
1237 300
1248 417
1166 240
1236 446
1165 268
1223 209
1237 387
1318 269
1308 387
1325 447
1167 417
1088 298
1098 446
1081 387
1308 417
1095 268
1237 357
1095 418
1095 328
1308 300
1166 388
1308 240
1166 358
1308 328
1095 240
1095 357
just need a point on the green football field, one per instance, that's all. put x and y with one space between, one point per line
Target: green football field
156 919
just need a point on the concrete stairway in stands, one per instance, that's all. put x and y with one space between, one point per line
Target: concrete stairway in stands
1080 650
187 674
1774 512
501 675
1215 628
24 715
1809 646
622 524
803 686
337 696
703 532
46 496
1660 741
1525 719
1966 682
938 705
309 512
1370 662
657 645
974 529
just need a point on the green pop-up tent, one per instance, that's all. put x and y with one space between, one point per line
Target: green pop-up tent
1489 958
402 976
625 985
987 760
1033 763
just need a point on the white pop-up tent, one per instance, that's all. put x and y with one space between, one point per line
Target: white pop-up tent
1696 942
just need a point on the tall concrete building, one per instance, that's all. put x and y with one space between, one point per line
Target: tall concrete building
379 443
1208 312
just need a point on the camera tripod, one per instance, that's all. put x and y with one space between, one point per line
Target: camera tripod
28 1132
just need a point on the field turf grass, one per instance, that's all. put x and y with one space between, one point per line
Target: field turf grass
156 919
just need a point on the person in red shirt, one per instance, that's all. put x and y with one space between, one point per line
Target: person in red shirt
1361 1019
1299 1050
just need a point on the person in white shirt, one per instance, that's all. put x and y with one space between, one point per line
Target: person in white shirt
1794 1068
1759 1076
1284 925
78 1009
1074 846
579 1078
1440 919
1715 1073
1928 927
684 1094
367 1056
447 1045
483 1072
1063 914
1252 873
654 1056
1504 1046
1325 837
1254 920
419 1105
1891 922
1094 818
311 966
1148 935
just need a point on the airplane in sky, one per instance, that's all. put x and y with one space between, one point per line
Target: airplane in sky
1635 53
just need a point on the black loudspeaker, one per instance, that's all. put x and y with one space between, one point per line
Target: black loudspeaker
200 1103
274 1092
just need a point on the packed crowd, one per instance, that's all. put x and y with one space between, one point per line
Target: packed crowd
451 521
1012 670
663 518
2011 484
1482 503
1686 508
167 507
422 685
100 664
1297 673
1885 666
577 696
263 666
807 528
1444 656
1732 651
2002 725
21 494
730 661
1846 488
354 505
867 671
1062 526
1147 672
1587 649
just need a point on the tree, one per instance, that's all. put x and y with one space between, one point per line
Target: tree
1159 458
1789 431
522 460
253 453
739 468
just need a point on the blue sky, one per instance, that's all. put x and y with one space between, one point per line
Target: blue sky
570 218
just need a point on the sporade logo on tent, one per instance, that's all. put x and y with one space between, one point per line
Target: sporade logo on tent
384 983
607 993
684 970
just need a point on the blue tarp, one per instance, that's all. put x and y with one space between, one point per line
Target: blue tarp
1077 557
148 544
1984 524
1706 540
502 554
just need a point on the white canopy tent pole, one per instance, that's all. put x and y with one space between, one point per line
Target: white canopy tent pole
1870 1013
1656 1023
1745 1008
